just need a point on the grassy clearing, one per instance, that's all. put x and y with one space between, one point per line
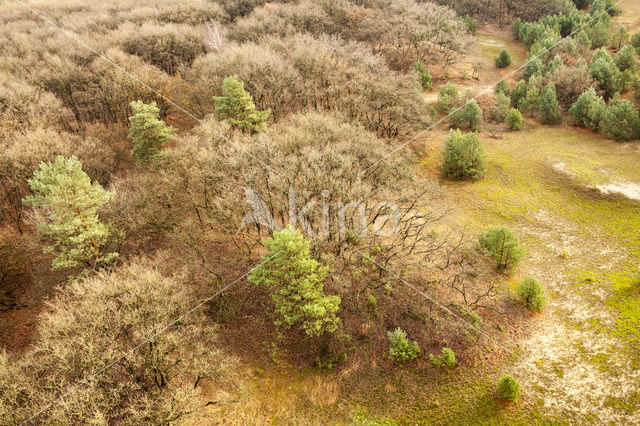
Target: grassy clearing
583 245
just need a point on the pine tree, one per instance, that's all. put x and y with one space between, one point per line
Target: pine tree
518 93
503 59
295 281
67 206
548 106
627 58
149 134
423 75
467 117
588 110
238 107
514 119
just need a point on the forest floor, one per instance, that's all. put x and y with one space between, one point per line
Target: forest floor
572 196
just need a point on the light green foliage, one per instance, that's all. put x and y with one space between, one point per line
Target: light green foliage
619 38
508 388
548 106
607 74
149 134
635 42
423 75
447 97
588 110
627 58
464 156
502 87
518 93
500 108
620 121
502 245
467 117
531 293
598 34
67 206
402 349
238 107
514 119
295 281
447 358
503 59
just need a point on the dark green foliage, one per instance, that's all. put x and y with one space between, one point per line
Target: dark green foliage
501 243
471 24
531 293
464 156
295 281
548 106
635 41
607 74
503 59
514 119
588 110
532 67
620 121
502 87
448 97
423 75
238 107
581 4
518 93
448 358
402 349
467 117
508 389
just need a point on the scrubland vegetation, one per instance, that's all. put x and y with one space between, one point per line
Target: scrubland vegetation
304 212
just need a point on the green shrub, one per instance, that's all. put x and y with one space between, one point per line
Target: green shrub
402 349
607 74
548 106
149 134
467 117
502 245
447 358
447 97
238 107
372 303
635 42
514 119
508 388
471 24
532 67
627 58
588 110
531 293
502 87
500 107
518 93
503 59
295 281
463 156
620 121
423 75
